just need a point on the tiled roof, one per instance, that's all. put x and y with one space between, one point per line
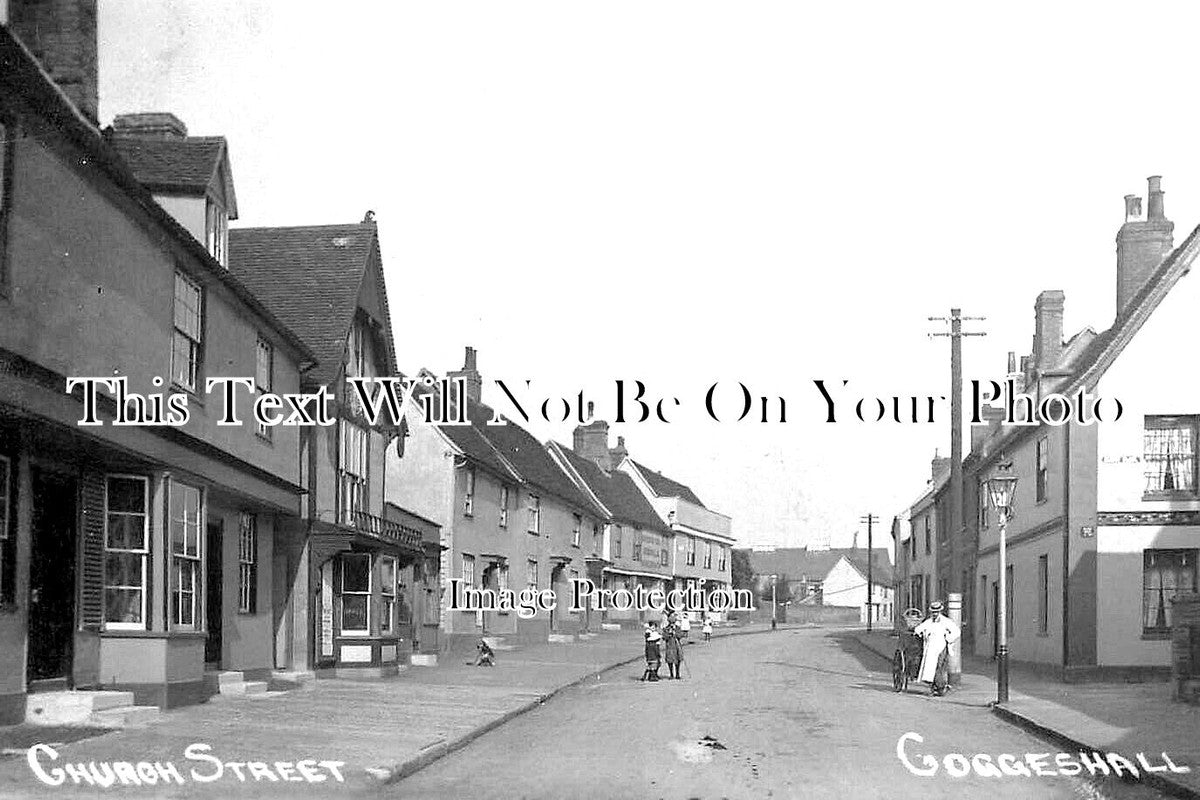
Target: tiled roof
162 163
512 450
616 491
800 562
310 277
665 487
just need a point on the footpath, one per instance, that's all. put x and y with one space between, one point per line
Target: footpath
1125 718
347 734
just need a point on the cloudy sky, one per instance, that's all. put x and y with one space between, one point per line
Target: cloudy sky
690 192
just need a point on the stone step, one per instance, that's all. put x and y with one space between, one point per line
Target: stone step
125 717
71 707
245 687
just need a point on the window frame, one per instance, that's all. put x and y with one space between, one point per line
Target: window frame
465 560
1188 422
1192 553
708 555
343 592
196 345
928 535
261 345
387 600
247 563
181 561
216 231
144 552
534 506
577 530
618 530
1041 469
505 494
531 573
984 505
353 489
469 478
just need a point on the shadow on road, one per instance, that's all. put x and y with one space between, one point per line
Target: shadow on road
851 646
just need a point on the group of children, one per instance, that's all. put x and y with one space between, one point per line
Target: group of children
668 642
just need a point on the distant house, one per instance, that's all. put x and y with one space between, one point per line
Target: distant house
835 577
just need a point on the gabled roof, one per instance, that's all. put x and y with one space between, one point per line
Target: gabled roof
616 491
1104 348
510 450
21 74
665 487
310 277
799 562
188 164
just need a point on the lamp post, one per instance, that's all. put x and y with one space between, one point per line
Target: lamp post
774 606
1002 488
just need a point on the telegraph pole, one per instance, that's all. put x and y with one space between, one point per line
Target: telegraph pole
870 519
955 527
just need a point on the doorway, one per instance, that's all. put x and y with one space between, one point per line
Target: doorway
52 578
212 608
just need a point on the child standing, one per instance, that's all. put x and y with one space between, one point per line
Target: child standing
707 629
653 659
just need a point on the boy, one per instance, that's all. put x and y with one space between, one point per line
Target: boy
486 657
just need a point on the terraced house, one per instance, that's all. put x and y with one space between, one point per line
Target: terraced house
130 556
342 605
510 518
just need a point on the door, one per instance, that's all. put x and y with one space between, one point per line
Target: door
212 643
52 576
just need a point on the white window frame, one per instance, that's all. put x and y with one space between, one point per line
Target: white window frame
577 531
144 552
353 471
342 593
191 380
185 561
618 534
216 231
504 498
531 573
535 514
263 384
708 555
466 567
387 593
247 563
469 478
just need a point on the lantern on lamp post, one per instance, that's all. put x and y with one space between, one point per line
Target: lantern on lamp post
1002 489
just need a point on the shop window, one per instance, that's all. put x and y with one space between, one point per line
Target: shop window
7 539
185 525
352 472
356 594
126 549
1165 574
387 593
186 350
248 564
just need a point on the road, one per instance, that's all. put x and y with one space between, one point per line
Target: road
800 713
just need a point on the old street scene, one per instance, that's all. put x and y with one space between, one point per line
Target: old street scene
837 363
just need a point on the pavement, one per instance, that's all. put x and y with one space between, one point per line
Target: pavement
345 734
1102 717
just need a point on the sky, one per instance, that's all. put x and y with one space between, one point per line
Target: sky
685 193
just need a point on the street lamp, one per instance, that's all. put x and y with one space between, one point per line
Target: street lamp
1002 489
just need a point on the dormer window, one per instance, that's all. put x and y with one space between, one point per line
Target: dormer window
216 227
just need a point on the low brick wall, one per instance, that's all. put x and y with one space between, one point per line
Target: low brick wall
1185 648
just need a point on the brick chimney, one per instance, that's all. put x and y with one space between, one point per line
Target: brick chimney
619 452
938 465
1142 242
61 34
1048 329
150 125
473 379
591 441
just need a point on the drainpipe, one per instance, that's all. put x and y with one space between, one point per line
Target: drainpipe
1066 548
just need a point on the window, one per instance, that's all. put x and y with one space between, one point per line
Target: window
535 514
126 548
576 530
469 492
186 515
1165 574
723 558
637 545
248 564
6 173
912 546
928 536
502 578
216 229
185 353
1043 593
352 472
503 506
7 540
1169 453
708 555
387 593
984 503
264 363
1041 455
918 590
595 537
356 593
531 574
357 362
691 552
616 543
662 557
468 570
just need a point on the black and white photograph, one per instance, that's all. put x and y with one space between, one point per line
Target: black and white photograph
662 399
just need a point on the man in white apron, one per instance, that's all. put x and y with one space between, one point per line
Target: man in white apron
938 631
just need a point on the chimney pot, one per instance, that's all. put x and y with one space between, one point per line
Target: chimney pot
1142 244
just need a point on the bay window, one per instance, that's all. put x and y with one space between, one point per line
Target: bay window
356 594
126 550
186 513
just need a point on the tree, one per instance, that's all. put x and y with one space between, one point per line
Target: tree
741 575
